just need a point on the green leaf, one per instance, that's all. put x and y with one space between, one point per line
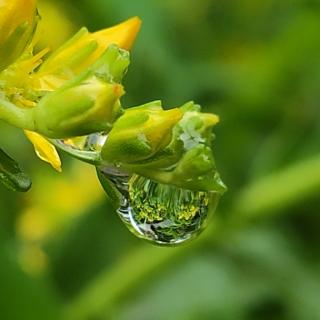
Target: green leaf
11 175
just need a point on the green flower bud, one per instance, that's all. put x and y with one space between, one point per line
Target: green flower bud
140 133
172 147
78 108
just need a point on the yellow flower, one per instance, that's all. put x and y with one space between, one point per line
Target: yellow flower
60 64
122 35
69 61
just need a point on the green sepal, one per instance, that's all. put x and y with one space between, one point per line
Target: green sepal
11 176
112 65
197 170
71 62
47 64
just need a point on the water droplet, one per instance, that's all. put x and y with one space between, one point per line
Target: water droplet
160 213
92 142
95 141
86 148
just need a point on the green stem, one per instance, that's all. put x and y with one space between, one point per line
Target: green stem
260 199
279 190
18 117
92 157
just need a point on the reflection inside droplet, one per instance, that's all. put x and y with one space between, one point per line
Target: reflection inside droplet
161 213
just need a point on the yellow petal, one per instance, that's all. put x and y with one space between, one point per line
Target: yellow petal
122 34
44 149
92 46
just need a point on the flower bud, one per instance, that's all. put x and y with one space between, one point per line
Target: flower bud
78 108
18 19
172 147
140 133
75 91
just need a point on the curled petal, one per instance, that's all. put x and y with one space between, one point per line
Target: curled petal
44 149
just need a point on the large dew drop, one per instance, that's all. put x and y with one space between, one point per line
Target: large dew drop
160 213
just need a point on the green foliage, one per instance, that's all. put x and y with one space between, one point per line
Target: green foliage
256 64
24 297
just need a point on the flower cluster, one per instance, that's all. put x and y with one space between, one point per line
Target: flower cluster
72 91
76 90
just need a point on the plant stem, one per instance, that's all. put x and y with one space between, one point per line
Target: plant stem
18 117
91 157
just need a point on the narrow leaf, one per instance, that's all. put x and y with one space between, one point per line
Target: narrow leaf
11 175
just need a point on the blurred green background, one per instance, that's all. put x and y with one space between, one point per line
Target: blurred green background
64 253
